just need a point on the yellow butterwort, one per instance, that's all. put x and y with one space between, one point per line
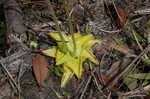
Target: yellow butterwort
72 63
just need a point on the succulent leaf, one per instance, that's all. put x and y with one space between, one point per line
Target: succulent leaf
72 63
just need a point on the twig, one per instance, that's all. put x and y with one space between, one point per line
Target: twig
136 20
142 12
102 30
10 76
141 48
79 87
129 66
19 41
138 91
117 11
19 76
92 73
13 56
8 59
106 31
109 96
89 80
98 85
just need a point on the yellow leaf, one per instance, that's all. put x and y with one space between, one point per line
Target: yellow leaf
80 67
67 39
83 39
56 36
89 55
50 52
77 35
91 43
72 63
66 76
34 44
61 58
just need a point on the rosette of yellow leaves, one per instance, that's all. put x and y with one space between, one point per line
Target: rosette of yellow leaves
70 60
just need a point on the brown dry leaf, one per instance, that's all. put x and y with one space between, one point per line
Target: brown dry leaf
109 76
108 43
40 68
114 69
106 80
117 14
123 14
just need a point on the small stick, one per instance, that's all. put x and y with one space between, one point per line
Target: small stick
10 76
89 80
98 85
117 11
129 66
102 30
19 41
79 88
142 12
141 48
13 57
138 91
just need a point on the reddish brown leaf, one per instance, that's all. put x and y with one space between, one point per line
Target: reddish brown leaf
123 14
119 16
107 79
40 68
